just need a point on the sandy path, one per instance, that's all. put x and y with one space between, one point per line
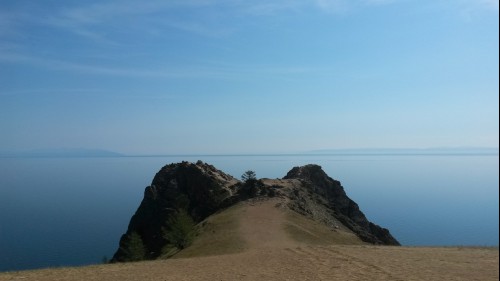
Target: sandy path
262 225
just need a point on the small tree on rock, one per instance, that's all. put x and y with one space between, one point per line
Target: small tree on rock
180 230
249 176
251 185
134 249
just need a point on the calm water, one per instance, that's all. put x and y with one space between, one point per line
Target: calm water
72 211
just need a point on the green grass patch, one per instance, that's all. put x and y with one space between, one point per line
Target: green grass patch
217 235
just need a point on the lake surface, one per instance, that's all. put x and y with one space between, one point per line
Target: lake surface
72 211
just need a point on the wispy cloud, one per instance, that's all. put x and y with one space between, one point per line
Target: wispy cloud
99 21
55 64
101 12
86 92
191 27
93 20
202 70
56 91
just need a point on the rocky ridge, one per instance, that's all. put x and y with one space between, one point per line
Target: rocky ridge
324 199
200 190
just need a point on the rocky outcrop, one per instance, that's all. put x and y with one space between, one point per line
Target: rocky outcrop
323 198
198 190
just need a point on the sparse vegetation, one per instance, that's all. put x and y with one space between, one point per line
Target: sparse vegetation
134 249
249 176
179 231
251 186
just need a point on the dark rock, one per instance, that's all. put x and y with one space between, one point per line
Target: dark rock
329 191
199 188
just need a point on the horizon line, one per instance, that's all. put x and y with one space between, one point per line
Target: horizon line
99 153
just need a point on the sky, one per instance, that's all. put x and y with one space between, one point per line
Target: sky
248 76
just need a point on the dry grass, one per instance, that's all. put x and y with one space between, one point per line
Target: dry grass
218 235
310 232
257 241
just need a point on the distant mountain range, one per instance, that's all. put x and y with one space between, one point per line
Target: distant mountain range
410 151
63 152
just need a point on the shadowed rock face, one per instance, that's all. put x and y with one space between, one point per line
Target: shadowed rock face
329 193
201 190
198 188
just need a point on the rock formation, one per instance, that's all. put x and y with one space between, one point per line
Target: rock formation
199 190
323 198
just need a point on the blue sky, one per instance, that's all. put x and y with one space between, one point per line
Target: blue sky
220 76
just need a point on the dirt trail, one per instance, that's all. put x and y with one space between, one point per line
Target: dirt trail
262 225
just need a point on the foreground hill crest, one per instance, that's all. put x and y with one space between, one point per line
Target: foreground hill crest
185 194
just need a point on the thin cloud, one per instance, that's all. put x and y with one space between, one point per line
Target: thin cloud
104 12
192 27
100 21
54 91
90 21
93 20
54 64
217 71
95 93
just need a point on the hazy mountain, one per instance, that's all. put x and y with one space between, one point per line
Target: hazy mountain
410 151
62 152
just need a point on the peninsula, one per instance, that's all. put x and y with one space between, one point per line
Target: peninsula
185 194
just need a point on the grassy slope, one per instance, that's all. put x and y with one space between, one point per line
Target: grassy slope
217 235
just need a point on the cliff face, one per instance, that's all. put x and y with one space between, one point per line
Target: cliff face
323 198
199 190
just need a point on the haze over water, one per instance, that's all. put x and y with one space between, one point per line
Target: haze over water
72 211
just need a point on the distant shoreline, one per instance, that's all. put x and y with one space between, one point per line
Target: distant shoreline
252 155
